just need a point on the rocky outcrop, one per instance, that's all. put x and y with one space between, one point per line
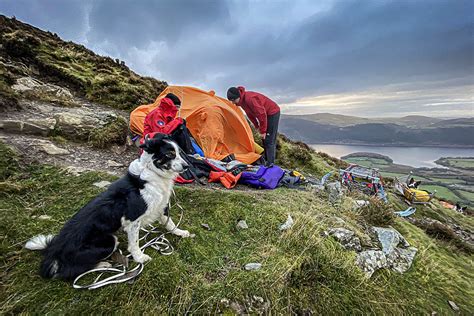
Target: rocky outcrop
34 89
395 254
347 238
394 251
44 120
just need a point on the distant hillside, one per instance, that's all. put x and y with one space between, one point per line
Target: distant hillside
26 51
347 120
409 131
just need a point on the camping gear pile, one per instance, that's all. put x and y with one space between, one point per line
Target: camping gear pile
367 180
412 195
223 141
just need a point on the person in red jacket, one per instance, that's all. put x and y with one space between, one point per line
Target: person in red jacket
163 120
263 113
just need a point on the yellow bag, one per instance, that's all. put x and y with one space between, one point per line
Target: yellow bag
417 195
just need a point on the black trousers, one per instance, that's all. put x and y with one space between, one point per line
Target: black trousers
270 138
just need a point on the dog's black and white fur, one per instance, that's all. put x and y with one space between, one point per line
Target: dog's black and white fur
137 199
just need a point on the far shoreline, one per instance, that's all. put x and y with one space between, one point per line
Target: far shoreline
391 145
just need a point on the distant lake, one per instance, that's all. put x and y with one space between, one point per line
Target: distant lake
411 156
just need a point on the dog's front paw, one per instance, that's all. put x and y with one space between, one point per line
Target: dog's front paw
141 258
182 233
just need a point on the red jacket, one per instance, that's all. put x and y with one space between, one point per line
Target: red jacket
162 119
257 107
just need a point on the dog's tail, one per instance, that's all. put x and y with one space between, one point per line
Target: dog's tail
39 242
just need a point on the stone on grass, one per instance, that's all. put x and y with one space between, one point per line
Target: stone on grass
206 226
396 253
401 259
287 225
453 306
253 266
335 192
44 217
346 238
76 171
242 224
102 184
371 260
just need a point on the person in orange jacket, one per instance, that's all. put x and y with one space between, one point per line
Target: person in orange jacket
163 120
263 113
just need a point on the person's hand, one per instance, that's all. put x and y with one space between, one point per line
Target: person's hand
263 135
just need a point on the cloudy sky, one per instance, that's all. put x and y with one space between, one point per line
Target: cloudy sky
354 57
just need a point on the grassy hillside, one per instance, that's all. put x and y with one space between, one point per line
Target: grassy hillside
29 51
347 120
301 270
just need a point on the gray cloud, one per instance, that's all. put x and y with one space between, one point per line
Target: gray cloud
289 50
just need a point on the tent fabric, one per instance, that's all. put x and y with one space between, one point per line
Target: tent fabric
219 127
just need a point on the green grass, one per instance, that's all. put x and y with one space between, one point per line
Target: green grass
467 195
466 163
392 174
448 180
441 192
301 270
368 162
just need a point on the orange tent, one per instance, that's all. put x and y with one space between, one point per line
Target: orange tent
219 127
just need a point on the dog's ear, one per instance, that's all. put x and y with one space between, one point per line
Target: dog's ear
151 144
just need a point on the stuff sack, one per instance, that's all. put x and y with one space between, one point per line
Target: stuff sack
263 178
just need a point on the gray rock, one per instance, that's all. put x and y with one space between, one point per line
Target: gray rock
242 224
206 226
371 260
335 192
388 237
44 217
11 126
52 149
33 88
401 259
288 224
253 266
102 184
80 122
453 306
32 129
114 164
347 238
76 171
47 123
396 253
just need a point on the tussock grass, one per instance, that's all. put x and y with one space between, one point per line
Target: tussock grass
301 271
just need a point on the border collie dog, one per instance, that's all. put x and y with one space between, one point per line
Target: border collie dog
135 200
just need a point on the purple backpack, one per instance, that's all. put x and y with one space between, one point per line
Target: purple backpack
264 178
